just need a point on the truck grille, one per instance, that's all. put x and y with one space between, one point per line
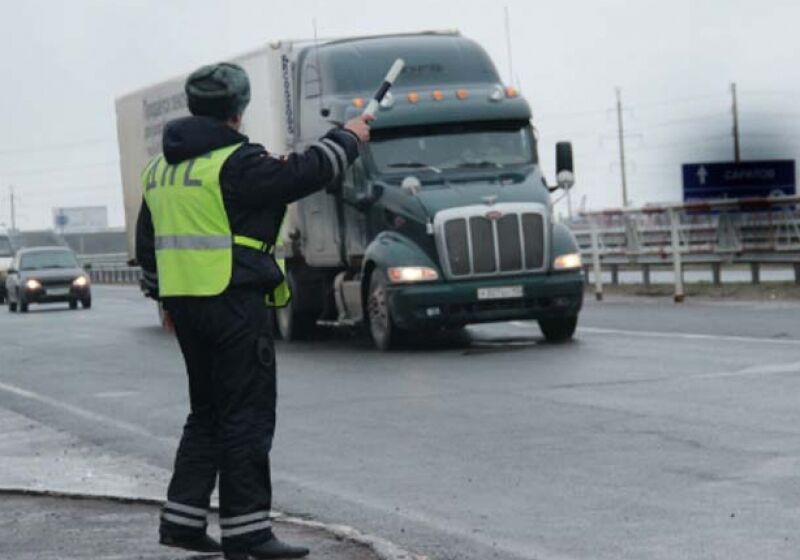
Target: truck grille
496 240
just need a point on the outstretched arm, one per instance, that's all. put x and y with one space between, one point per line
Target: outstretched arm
263 180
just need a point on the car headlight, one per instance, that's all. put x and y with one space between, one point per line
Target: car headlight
410 274
80 282
33 284
568 262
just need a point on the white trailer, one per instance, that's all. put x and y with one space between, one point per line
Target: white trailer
141 117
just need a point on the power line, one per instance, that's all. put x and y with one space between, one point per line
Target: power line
59 169
685 121
54 147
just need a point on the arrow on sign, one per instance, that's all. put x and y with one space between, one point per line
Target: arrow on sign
702 173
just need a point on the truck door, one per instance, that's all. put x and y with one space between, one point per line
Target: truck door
355 222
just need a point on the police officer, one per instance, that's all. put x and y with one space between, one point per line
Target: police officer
212 213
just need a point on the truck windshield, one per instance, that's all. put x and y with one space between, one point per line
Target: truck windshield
448 147
48 259
5 247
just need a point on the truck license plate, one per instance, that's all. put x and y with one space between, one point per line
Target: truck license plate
58 291
503 292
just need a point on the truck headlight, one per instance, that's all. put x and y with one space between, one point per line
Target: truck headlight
32 284
568 262
80 282
410 274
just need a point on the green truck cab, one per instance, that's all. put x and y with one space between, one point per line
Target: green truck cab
445 219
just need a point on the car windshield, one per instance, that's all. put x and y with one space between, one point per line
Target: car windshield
447 147
5 247
47 259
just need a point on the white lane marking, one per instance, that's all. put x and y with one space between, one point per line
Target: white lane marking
115 394
85 414
768 369
385 549
665 334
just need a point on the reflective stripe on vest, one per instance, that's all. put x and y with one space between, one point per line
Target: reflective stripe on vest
192 242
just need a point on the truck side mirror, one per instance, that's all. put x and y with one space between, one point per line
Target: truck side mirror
565 170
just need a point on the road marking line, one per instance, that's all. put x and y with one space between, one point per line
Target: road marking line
665 334
383 548
85 414
689 336
115 394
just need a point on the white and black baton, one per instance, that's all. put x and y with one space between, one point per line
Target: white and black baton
391 76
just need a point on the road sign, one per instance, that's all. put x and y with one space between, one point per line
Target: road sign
745 179
80 218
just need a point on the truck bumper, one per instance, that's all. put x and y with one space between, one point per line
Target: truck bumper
453 304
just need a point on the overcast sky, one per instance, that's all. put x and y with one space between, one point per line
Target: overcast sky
64 63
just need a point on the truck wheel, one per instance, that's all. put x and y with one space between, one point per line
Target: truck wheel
23 306
560 329
294 325
86 303
385 334
73 304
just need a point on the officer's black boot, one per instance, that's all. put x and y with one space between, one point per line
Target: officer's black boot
202 543
273 548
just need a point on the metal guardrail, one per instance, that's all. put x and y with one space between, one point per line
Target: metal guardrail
110 268
115 275
104 259
722 232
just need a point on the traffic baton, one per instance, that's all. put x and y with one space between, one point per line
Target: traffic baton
391 76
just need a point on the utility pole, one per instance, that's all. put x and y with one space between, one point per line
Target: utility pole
13 210
508 48
735 111
621 132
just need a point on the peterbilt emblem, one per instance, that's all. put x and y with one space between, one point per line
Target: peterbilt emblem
493 215
490 199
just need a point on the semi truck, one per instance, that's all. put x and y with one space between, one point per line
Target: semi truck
444 220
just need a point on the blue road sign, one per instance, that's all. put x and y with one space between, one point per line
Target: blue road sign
744 179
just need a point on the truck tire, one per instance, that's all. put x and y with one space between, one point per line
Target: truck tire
23 306
560 329
294 325
385 334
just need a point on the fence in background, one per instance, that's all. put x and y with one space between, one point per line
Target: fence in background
750 232
110 268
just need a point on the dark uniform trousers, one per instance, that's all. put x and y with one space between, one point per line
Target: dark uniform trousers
227 344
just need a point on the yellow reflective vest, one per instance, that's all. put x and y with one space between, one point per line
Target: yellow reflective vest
193 237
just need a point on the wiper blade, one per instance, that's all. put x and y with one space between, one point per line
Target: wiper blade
415 165
480 164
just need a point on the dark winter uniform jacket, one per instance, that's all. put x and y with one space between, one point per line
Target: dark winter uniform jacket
256 188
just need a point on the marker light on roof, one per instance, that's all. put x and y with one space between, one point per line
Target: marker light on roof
358 102
413 97
437 95
462 94
511 91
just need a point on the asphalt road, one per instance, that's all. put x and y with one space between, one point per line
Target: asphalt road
661 432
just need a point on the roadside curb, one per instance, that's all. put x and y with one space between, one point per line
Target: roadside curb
384 549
